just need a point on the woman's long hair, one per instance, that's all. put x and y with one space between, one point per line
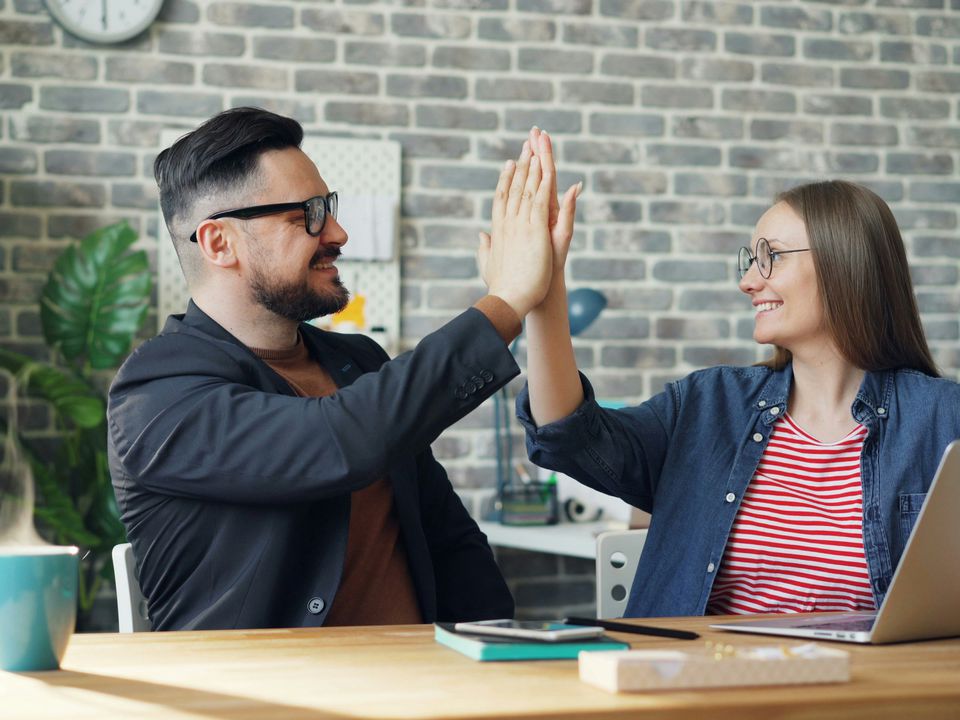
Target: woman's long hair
862 278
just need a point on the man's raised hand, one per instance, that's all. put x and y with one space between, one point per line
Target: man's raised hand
516 259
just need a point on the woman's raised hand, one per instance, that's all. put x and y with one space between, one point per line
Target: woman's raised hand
562 214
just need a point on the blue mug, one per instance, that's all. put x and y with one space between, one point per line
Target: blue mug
38 605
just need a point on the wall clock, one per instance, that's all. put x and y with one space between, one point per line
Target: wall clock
104 21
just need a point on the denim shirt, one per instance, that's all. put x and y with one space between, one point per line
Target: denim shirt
688 454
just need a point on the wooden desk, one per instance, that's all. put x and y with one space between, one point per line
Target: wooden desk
399 672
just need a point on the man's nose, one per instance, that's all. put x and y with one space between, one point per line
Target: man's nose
333 232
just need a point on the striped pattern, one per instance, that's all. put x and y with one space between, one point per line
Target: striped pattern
797 541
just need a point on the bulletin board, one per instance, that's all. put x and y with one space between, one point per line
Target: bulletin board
351 167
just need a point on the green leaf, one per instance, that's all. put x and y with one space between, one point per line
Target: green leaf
96 297
54 507
71 398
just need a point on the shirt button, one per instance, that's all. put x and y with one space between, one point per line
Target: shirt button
711 567
774 410
730 497
757 437
762 403
881 411
316 605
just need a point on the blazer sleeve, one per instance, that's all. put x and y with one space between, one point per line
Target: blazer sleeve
185 418
469 584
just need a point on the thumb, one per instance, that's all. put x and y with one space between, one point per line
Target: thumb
568 210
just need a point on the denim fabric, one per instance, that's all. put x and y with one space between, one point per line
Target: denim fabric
688 454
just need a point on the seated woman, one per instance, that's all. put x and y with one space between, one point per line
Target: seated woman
789 486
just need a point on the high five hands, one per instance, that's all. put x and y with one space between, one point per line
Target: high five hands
531 229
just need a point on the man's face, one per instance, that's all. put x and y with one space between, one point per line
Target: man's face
290 272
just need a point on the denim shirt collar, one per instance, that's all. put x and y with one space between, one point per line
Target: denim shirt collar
871 403
874 397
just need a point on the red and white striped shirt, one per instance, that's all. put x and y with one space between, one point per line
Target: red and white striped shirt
797 541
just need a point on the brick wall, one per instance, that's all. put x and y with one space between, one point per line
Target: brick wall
682 117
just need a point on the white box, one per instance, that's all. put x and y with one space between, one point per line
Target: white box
633 670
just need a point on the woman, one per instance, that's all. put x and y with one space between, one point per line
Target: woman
790 486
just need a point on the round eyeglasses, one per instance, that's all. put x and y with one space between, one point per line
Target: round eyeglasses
315 211
764 258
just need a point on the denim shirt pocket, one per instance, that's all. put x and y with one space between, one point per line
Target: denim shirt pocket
910 504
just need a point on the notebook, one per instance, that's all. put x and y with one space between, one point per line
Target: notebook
923 601
491 647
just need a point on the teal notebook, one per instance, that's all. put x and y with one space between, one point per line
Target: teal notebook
488 647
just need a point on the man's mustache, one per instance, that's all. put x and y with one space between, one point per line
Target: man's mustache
326 253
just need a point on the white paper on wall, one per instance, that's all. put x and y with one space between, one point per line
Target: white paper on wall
371 224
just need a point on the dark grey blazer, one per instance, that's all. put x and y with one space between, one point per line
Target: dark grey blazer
236 493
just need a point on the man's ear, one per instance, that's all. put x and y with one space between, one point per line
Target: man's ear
217 243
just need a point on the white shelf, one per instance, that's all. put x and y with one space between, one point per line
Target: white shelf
571 539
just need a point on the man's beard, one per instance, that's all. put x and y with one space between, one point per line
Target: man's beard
297 301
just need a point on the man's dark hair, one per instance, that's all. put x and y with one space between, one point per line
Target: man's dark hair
216 157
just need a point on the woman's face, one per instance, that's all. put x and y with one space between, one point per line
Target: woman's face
787 304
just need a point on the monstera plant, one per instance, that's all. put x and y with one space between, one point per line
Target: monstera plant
93 304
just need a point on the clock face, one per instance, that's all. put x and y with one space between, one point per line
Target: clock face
104 21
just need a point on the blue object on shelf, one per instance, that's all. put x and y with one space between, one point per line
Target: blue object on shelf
583 307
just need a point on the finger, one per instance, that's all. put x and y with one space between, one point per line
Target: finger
500 193
530 190
483 256
534 139
549 170
519 180
545 195
568 211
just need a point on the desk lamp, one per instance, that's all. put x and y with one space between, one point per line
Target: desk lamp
584 305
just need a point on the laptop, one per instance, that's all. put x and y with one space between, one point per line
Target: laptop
923 601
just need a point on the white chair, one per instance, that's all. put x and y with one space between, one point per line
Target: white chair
618 554
131 604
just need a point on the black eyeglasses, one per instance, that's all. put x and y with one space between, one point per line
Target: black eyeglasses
764 258
315 211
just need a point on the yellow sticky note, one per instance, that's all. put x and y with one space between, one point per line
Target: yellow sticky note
354 313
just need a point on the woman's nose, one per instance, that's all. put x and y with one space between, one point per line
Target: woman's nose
752 280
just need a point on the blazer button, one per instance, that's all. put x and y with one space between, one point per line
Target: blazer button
478 381
460 393
486 375
316 606
472 388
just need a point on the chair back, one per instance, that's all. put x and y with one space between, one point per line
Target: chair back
131 604
618 553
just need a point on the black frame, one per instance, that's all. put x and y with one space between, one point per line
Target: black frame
744 268
328 202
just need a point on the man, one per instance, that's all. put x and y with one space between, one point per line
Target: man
271 474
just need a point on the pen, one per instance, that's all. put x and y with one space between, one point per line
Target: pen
638 629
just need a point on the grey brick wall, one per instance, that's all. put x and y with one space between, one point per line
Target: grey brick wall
682 117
